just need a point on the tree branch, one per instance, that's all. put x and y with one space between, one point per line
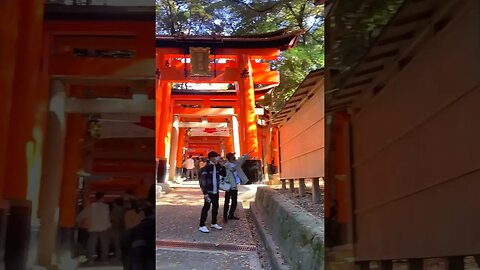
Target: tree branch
172 23
255 9
317 18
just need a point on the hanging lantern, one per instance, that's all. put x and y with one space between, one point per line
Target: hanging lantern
94 128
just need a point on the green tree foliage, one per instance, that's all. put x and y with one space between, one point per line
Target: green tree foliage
355 25
240 17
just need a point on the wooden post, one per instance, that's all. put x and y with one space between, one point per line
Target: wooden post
477 259
292 185
52 175
275 149
316 190
173 149
284 184
162 107
9 29
181 144
364 265
386 265
415 264
456 263
301 187
73 161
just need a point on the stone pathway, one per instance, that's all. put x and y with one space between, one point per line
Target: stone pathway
101 268
181 246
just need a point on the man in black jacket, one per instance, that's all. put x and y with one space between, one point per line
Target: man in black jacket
139 242
209 182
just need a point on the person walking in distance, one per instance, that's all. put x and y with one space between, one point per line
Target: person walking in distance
233 166
98 216
196 171
118 226
209 182
190 166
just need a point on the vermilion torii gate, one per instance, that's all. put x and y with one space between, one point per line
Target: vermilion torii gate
236 60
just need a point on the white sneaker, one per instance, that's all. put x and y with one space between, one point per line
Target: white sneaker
216 226
204 229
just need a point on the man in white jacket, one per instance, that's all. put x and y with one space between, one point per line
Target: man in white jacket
189 164
98 217
235 177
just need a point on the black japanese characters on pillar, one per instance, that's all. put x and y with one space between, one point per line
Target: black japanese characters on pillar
245 74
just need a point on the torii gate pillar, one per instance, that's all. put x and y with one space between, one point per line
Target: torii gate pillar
247 111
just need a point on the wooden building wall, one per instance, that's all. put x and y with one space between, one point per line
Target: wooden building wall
416 152
302 140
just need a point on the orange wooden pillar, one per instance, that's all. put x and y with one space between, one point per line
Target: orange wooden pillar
276 148
52 175
159 85
268 145
181 144
248 117
28 104
341 159
9 33
238 124
236 141
229 144
162 123
26 132
267 155
163 120
174 137
168 119
73 162
260 140
169 123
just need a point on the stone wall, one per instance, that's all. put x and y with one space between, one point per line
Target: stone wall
298 234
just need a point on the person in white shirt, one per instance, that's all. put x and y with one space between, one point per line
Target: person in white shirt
98 216
190 166
234 178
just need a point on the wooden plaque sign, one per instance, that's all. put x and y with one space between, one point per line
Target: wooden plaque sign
200 62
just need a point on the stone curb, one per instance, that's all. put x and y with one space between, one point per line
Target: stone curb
275 259
297 233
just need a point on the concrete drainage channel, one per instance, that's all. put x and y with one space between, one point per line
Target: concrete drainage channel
204 246
173 255
273 251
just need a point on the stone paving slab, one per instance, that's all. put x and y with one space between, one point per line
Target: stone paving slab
178 216
101 268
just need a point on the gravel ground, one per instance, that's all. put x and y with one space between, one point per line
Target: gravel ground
305 203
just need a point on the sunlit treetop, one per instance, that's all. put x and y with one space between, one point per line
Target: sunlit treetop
240 17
